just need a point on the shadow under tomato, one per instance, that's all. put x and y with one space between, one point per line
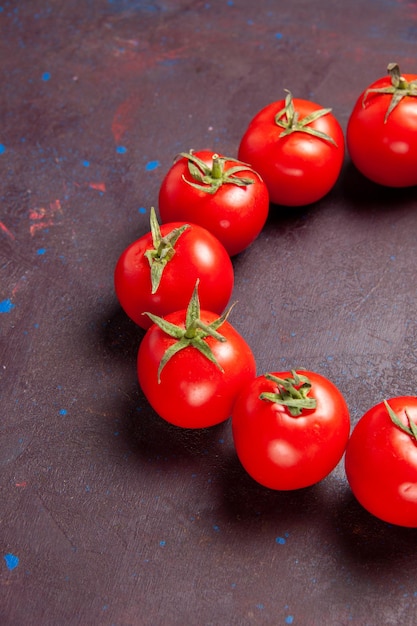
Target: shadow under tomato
244 500
367 540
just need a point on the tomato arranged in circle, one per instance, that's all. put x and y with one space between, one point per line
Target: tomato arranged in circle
298 149
290 429
381 461
223 195
191 365
381 134
158 272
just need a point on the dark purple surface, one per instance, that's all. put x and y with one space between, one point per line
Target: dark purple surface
108 515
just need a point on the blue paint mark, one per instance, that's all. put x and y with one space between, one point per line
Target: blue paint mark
216 528
6 306
86 163
12 561
260 606
280 540
41 251
162 543
121 150
152 165
46 76
142 209
63 412
289 619
2 148
278 35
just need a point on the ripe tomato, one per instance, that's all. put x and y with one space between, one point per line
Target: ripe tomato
381 133
290 429
223 195
158 271
298 149
192 364
381 461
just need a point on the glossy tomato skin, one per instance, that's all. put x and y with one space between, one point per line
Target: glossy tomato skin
235 215
199 255
193 392
381 463
386 153
283 452
298 169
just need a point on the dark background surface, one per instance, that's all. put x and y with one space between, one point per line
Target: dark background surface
108 515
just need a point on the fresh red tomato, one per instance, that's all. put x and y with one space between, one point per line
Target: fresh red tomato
298 149
158 272
290 429
192 364
381 133
381 461
221 194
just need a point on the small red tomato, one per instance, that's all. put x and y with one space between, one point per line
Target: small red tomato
381 134
223 195
381 461
290 429
192 364
158 272
298 149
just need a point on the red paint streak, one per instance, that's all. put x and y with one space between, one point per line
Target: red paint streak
137 60
43 217
98 186
124 116
22 484
6 231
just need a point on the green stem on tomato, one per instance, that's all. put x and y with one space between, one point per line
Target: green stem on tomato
291 392
193 334
399 89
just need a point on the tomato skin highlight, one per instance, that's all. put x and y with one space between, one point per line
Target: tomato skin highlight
193 392
298 169
381 463
234 214
199 255
283 452
385 153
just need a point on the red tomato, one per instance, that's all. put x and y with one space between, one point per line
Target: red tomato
223 195
195 254
298 156
192 366
381 461
381 140
290 429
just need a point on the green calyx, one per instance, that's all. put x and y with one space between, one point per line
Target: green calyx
163 249
399 89
210 179
194 333
288 119
411 430
292 393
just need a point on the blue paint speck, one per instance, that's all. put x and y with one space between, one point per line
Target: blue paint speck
162 544
142 209
12 561
6 306
46 76
121 150
86 163
278 35
289 619
41 251
152 165
280 540
216 528
63 412
2 148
